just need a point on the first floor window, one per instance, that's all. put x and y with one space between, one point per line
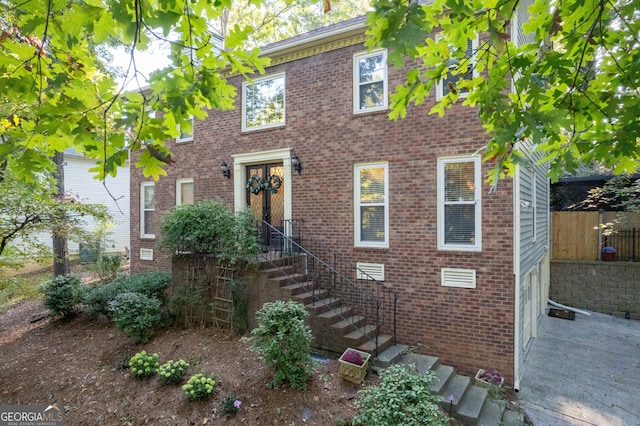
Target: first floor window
459 204
184 192
371 205
147 209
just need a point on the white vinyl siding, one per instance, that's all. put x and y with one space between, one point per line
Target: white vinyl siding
459 204
370 81
451 79
147 209
371 205
184 191
263 103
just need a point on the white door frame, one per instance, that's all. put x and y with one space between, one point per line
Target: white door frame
240 161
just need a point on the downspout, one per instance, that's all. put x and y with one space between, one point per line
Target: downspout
516 277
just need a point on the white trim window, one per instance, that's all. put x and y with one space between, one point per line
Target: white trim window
185 136
147 210
444 85
371 205
370 91
184 191
263 102
459 204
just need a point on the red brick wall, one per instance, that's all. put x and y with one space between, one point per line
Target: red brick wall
468 328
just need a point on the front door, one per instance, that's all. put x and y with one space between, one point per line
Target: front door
265 196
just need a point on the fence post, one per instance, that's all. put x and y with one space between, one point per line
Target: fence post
600 224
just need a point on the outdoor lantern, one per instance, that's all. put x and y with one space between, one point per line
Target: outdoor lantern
295 162
226 171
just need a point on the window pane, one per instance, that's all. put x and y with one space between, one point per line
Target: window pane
149 221
459 224
371 95
372 223
149 197
454 79
264 102
371 69
186 193
459 181
372 185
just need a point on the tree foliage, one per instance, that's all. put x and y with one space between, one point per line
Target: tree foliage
55 94
57 87
576 76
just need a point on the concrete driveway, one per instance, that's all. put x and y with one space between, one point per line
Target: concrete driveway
583 372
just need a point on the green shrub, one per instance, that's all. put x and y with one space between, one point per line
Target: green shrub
200 386
172 371
209 227
107 266
403 397
97 297
63 294
283 338
143 364
137 315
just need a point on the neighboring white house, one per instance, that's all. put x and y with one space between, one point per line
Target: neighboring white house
113 193
80 183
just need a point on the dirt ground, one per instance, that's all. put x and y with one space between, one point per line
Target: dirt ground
78 364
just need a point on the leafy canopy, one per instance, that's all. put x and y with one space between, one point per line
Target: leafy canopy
575 73
55 94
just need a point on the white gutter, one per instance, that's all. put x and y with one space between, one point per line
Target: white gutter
516 276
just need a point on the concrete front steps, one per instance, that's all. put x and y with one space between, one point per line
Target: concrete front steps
467 403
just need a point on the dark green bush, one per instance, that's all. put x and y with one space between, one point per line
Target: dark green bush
97 297
137 315
63 294
209 227
283 337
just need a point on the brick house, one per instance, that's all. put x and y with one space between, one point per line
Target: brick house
470 272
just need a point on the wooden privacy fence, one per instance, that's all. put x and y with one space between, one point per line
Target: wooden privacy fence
581 235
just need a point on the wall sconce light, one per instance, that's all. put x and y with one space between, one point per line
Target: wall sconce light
226 171
295 162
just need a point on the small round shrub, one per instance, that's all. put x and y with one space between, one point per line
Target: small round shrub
143 364
200 386
63 294
403 397
172 371
137 315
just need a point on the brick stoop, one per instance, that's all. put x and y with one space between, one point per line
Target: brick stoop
468 403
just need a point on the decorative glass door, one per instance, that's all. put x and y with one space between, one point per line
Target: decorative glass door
265 196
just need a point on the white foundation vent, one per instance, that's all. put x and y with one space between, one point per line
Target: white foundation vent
367 271
453 277
146 254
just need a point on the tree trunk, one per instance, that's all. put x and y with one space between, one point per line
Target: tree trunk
60 248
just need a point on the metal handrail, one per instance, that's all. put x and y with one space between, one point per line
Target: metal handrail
367 297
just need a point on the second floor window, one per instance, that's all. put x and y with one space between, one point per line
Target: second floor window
263 103
451 81
186 135
370 81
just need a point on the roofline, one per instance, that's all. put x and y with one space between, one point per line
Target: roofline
321 37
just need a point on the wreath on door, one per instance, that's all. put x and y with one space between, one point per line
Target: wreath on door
271 184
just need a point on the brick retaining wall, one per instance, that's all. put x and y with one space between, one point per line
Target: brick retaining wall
607 287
